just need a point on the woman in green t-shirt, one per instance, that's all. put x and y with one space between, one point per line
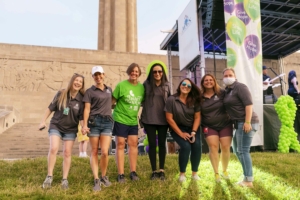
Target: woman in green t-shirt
128 95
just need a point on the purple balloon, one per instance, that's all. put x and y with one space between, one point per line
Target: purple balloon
241 13
156 142
147 148
252 46
229 6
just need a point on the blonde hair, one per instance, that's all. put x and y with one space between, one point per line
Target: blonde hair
62 99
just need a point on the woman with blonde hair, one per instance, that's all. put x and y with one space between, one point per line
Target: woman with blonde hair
68 109
216 124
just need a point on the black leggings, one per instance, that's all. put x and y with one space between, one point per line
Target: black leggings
162 135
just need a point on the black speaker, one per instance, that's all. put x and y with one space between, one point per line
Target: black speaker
215 15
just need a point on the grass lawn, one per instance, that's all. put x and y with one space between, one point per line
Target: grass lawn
277 176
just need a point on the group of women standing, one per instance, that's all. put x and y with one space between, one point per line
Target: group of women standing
214 109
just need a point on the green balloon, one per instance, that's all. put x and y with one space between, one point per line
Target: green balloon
236 30
258 63
231 58
252 8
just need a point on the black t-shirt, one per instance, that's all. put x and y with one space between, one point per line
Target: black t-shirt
67 123
270 89
237 97
153 106
182 114
100 100
213 112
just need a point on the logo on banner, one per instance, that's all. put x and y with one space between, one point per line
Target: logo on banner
186 23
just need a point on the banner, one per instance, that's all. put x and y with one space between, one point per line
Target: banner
244 51
188 35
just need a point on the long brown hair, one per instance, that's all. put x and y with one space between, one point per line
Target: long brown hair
62 99
216 87
194 96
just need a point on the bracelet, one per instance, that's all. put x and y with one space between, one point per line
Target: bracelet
194 131
247 122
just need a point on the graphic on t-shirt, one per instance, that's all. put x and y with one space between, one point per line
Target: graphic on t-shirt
76 106
131 93
107 91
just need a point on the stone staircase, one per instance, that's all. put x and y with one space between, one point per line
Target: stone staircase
24 140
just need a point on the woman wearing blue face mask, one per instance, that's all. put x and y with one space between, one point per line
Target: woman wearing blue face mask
238 103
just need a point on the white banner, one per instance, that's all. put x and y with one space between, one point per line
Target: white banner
188 35
244 51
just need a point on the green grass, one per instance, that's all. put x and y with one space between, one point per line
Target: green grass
277 176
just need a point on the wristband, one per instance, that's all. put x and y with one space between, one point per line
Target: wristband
247 122
194 131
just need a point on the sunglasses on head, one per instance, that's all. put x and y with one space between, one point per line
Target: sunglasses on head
186 85
78 75
157 71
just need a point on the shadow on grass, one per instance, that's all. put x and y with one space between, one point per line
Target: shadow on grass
260 191
191 191
218 192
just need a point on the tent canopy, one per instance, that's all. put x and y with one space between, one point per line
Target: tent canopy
280 22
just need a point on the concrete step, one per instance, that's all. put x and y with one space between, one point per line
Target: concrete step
24 140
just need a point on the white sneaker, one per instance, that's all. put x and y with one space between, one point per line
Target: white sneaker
182 178
195 177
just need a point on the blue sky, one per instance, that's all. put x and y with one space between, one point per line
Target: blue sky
74 23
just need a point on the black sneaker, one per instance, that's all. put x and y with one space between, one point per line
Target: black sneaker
134 176
162 175
154 175
97 185
121 178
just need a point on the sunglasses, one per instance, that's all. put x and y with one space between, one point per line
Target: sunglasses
184 84
78 75
157 71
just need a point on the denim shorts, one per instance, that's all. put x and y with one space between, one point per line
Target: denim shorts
63 136
102 126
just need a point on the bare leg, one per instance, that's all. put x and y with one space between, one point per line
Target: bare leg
53 149
120 146
94 142
133 151
67 152
213 143
225 153
105 144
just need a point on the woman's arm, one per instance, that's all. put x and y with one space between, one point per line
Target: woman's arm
197 119
294 81
175 128
247 125
86 114
43 122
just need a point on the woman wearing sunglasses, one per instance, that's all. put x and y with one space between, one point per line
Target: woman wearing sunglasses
183 115
157 90
98 122
216 124
238 104
68 108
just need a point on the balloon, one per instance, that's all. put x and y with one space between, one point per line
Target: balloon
252 8
227 37
229 6
239 1
147 149
252 46
236 30
241 13
157 149
231 58
258 63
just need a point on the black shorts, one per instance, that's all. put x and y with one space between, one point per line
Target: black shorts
122 130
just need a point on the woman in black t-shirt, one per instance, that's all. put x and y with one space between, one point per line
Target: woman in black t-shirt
68 109
216 124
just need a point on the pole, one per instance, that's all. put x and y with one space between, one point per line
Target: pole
201 63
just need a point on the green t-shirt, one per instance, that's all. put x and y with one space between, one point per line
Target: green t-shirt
129 98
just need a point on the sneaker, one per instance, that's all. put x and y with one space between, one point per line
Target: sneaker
121 178
104 180
162 175
97 185
182 178
134 176
195 177
225 175
154 175
245 184
47 182
217 178
64 184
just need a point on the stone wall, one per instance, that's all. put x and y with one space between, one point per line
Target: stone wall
31 75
